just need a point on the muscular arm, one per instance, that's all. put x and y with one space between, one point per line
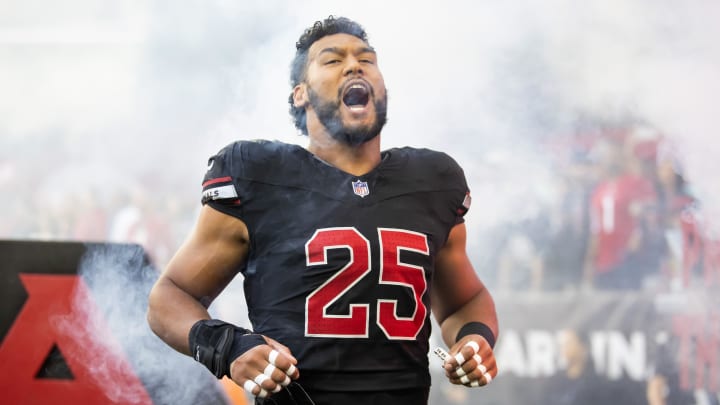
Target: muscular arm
458 295
198 272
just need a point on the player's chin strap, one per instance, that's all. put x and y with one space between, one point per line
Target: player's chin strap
216 344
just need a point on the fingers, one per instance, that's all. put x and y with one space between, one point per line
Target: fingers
278 376
284 365
263 370
473 364
251 387
281 348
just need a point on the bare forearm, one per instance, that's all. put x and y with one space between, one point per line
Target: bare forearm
481 308
171 314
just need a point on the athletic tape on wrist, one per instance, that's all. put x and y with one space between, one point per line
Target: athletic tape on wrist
477 328
216 344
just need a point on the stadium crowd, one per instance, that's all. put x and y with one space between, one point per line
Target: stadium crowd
624 217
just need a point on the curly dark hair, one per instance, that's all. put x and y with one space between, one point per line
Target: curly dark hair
329 26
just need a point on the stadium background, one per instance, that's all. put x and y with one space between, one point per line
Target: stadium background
110 110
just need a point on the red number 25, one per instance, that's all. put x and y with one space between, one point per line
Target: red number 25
392 271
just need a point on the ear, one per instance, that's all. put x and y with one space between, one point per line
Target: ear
300 97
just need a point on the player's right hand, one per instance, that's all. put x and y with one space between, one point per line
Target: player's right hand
472 362
264 369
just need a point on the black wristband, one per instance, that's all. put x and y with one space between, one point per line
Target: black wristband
477 328
216 344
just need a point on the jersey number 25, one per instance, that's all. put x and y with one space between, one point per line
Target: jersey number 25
392 271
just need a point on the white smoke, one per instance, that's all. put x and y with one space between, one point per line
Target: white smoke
162 84
119 279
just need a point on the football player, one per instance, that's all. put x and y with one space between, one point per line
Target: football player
345 251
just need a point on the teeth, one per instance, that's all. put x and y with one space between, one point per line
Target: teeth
358 86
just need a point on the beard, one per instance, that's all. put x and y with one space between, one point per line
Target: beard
328 112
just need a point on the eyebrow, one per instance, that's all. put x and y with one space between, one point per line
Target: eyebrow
340 51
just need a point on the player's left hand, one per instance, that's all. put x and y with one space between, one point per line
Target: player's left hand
472 362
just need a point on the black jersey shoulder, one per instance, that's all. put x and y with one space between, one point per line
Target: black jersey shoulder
427 161
422 169
402 170
256 160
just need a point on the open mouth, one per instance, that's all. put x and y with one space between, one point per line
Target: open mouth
356 96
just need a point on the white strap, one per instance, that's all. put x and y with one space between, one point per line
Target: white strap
273 356
269 370
475 346
249 385
261 378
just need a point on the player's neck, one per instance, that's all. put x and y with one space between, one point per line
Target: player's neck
356 160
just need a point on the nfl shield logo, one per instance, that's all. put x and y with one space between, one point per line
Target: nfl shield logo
361 188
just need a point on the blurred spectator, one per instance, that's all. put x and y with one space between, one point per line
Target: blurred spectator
91 223
578 383
663 385
567 232
647 259
619 205
675 204
520 261
137 220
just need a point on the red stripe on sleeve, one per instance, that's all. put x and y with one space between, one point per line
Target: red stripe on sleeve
218 180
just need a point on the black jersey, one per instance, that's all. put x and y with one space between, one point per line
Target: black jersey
340 266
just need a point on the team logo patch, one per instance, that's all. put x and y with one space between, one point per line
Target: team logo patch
361 188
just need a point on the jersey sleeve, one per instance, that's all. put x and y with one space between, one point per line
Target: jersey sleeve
463 208
459 191
221 188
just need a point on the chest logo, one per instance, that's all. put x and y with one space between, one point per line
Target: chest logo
360 188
